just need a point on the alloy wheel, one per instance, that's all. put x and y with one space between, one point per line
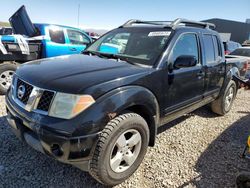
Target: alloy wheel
125 150
6 78
229 97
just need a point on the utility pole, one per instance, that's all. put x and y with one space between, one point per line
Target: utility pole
78 15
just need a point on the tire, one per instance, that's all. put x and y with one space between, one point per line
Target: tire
224 103
6 72
109 147
243 180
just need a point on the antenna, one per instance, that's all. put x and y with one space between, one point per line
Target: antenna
78 15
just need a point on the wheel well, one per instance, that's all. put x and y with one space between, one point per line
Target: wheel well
145 113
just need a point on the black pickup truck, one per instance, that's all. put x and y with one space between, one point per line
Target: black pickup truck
101 109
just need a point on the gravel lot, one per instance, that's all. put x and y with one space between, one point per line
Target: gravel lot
197 150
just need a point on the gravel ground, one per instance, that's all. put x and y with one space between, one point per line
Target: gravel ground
197 150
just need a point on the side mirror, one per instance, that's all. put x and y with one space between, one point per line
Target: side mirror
185 61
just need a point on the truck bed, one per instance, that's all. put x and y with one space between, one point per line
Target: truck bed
15 53
240 62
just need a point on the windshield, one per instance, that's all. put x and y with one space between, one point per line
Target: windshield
137 45
241 52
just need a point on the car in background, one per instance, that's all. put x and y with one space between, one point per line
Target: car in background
246 43
36 41
93 35
230 46
6 31
245 53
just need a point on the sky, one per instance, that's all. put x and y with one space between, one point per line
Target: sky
101 14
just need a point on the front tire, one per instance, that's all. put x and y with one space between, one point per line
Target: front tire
120 149
224 103
6 73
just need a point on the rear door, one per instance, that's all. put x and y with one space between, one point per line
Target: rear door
214 64
185 85
77 41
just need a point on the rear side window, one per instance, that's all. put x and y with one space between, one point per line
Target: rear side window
187 44
217 48
77 38
57 35
209 48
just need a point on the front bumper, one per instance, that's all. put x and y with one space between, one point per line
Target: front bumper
58 144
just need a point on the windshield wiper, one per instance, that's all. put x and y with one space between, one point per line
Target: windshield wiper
118 57
87 52
109 56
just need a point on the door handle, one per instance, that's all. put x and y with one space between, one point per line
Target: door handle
221 70
73 49
201 74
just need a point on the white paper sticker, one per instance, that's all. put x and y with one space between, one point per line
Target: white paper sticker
159 33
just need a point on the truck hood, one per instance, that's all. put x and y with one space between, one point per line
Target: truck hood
76 73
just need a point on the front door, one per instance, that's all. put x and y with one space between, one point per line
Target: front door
185 85
77 41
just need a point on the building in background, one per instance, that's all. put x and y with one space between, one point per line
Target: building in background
232 30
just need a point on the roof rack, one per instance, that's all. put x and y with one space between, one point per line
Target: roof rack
133 21
180 21
173 24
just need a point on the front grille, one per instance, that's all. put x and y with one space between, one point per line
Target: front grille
43 98
45 101
28 90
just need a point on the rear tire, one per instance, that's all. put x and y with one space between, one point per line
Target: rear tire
224 103
6 73
120 149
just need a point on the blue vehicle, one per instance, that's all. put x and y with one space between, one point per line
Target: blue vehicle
36 41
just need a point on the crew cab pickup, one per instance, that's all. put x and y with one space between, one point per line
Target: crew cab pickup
100 110
39 41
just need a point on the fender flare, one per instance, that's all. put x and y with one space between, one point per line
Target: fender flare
118 101
229 76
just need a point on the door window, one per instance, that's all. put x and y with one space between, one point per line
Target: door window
57 35
78 38
187 44
209 49
217 48
212 48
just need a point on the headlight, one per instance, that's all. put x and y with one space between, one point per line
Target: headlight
67 106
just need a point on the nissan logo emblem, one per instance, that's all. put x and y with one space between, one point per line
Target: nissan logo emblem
21 91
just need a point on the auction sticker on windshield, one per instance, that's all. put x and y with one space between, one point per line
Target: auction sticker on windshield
159 33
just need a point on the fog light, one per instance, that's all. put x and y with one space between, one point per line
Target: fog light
56 150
